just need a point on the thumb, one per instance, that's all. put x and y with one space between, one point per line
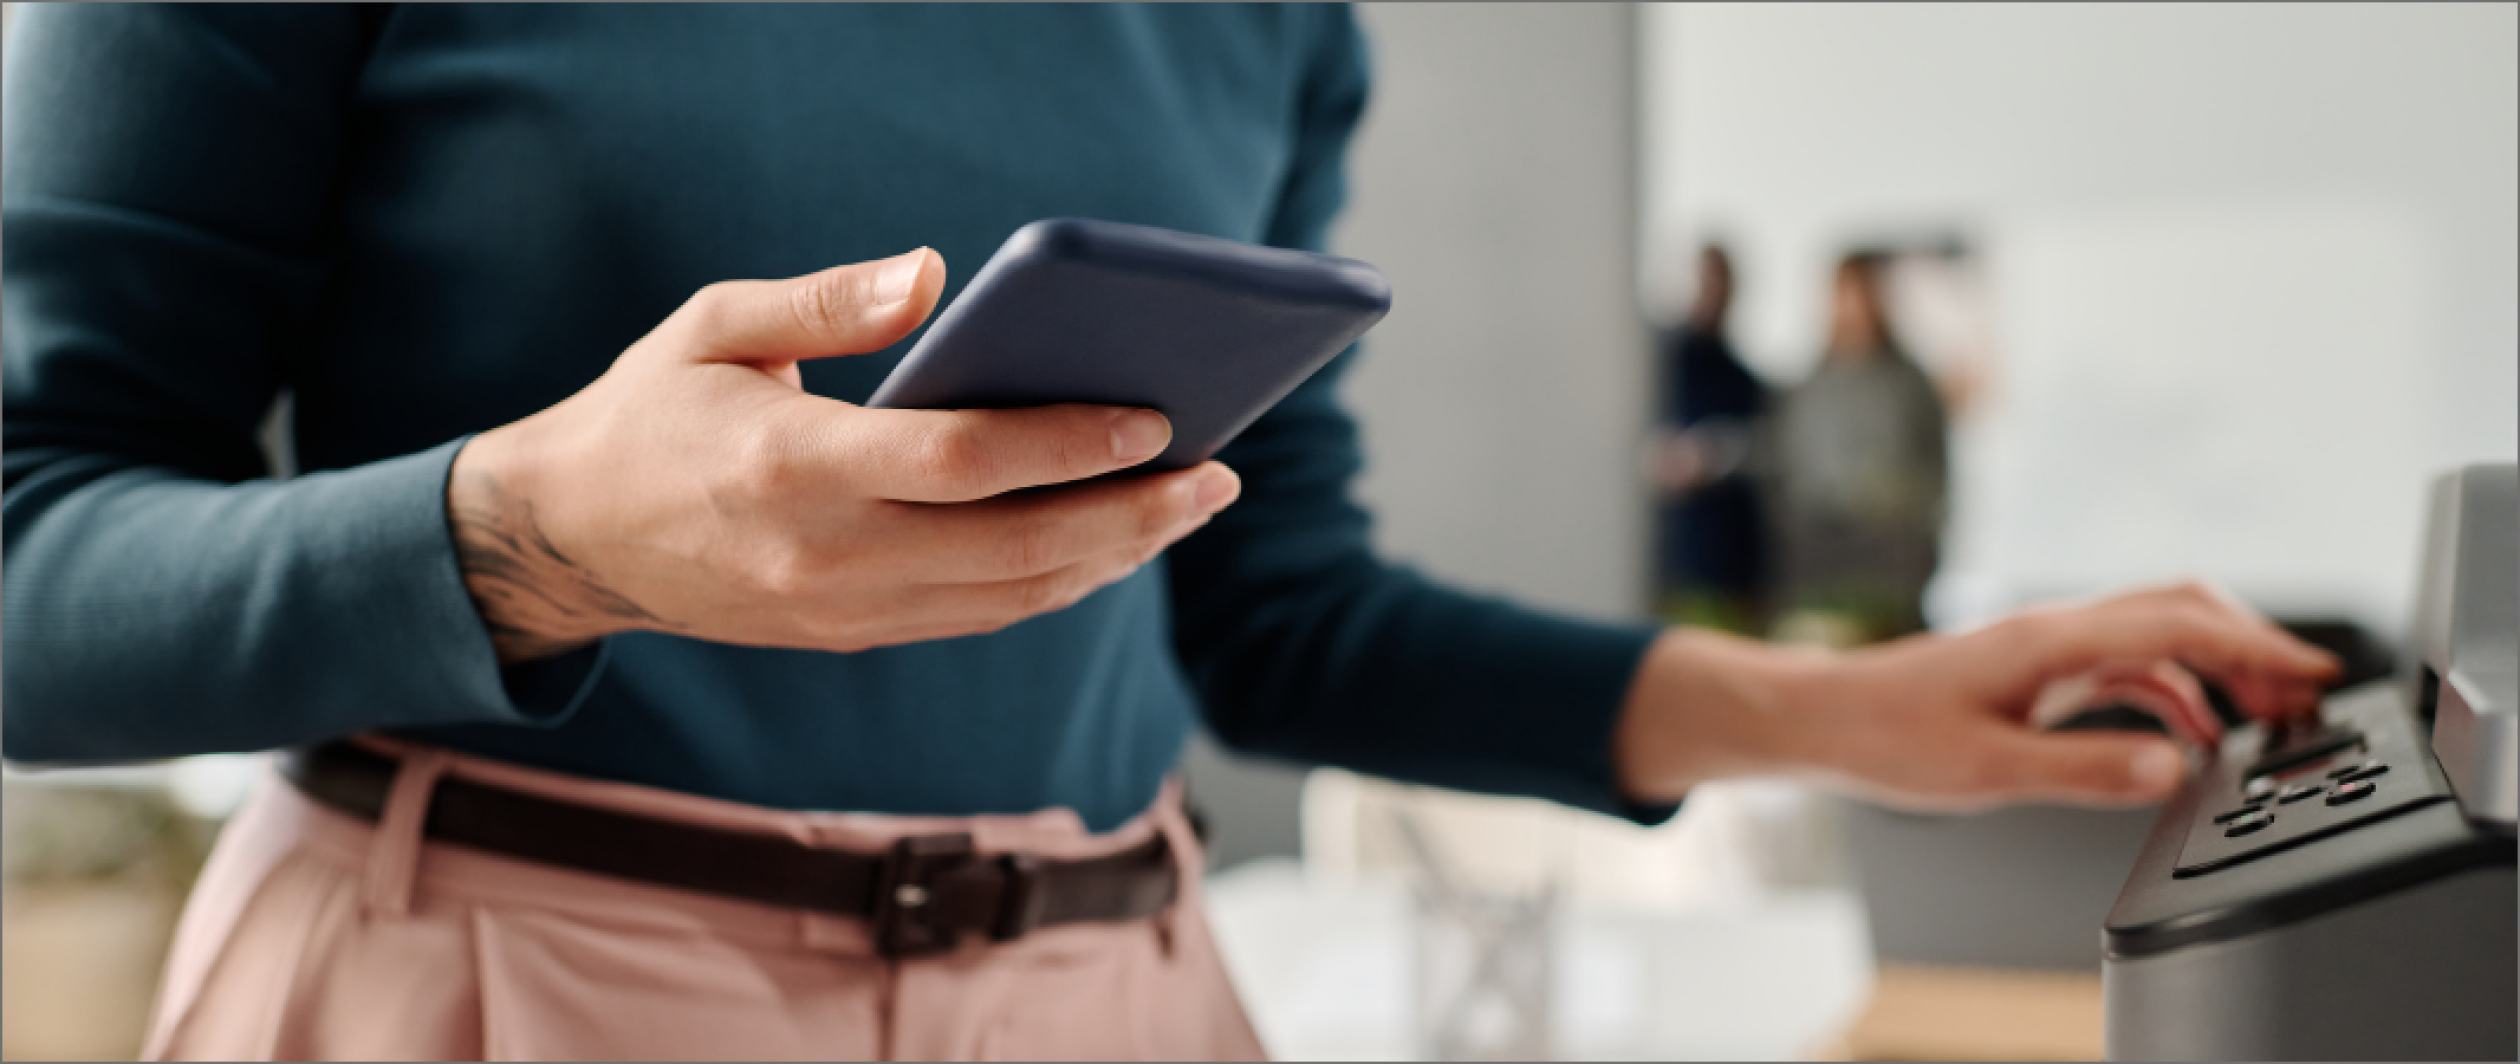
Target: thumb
845 310
2085 768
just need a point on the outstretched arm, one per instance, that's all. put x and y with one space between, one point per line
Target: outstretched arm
1946 722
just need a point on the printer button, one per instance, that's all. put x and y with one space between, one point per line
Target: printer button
2299 791
2351 792
2259 789
2257 820
2373 766
2364 772
2237 814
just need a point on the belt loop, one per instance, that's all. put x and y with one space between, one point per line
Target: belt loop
394 848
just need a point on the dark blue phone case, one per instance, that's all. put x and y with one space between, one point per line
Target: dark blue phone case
1071 310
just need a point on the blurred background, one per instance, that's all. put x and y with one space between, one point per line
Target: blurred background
2005 304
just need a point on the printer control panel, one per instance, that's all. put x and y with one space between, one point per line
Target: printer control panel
2271 790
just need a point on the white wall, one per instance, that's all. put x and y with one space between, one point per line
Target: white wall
1493 181
2254 266
1503 398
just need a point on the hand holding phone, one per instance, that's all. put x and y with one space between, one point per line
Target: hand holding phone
696 488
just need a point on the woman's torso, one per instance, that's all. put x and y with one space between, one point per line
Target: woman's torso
527 189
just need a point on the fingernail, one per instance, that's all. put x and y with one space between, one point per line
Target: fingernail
2158 769
1216 488
899 275
1138 435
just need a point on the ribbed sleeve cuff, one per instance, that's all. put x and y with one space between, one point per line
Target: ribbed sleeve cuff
437 658
153 615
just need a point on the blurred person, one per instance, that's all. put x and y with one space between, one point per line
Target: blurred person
1711 558
647 697
1861 470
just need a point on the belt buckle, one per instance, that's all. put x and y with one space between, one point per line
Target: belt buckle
906 895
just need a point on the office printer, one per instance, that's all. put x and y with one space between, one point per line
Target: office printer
2344 890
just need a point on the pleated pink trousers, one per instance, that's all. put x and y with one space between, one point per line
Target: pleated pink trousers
314 935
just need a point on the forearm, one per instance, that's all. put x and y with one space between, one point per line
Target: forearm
1707 706
1377 669
150 614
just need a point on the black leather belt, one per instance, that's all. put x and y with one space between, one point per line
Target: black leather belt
921 897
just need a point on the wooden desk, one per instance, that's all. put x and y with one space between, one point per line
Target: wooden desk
1975 1014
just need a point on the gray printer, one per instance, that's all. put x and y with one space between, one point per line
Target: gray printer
2345 890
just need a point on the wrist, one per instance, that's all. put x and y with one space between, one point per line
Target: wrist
1707 706
531 596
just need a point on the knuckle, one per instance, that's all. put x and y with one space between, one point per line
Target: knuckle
1041 594
1160 537
1152 516
764 467
1077 440
2194 619
1085 448
2175 593
1068 447
1169 508
951 456
1030 546
816 307
789 571
710 308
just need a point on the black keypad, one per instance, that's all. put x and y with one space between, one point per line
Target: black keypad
2305 788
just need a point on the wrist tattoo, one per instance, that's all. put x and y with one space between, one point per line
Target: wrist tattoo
536 601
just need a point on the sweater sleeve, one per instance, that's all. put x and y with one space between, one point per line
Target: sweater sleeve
168 171
1304 645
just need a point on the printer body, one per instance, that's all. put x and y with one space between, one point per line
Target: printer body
2345 890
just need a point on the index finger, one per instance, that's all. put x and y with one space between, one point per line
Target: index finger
2268 671
966 455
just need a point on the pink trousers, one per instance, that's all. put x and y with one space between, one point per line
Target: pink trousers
318 935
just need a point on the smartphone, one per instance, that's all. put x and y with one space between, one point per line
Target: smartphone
1209 332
